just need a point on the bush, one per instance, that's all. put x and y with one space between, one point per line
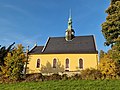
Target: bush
55 77
64 77
46 78
34 77
91 74
76 77
7 80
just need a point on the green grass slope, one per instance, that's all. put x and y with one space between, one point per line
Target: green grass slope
64 85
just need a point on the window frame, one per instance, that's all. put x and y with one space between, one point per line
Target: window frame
54 63
38 63
67 63
81 63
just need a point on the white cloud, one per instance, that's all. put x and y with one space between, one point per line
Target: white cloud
14 8
6 23
18 38
9 27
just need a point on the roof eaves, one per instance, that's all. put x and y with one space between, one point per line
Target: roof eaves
95 52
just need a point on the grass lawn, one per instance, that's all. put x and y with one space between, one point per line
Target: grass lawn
64 85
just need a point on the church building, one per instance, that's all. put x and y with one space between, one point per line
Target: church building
67 54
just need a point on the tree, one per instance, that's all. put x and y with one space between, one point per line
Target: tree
111 27
102 54
3 53
109 67
110 63
114 53
14 64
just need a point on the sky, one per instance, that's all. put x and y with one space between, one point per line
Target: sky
28 22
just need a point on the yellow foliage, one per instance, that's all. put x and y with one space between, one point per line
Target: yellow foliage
14 64
108 67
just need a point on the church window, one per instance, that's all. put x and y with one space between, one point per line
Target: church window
54 63
67 63
81 63
38 63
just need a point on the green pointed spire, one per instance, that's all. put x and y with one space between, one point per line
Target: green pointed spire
70 13
69 32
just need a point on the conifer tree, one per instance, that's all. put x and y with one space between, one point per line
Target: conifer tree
3 52
14 63
111 27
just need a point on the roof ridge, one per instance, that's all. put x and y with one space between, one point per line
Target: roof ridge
75 36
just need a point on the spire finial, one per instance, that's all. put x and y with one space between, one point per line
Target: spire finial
69 32
70 20
70 13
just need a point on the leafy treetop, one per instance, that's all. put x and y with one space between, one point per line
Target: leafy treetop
111 27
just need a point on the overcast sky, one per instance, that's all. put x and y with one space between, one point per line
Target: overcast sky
31 21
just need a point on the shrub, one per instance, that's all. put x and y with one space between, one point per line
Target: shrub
7 80
64 77
55 77
76 77
91 74
34 77
46 78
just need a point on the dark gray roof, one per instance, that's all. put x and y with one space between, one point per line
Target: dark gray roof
58 45
36 50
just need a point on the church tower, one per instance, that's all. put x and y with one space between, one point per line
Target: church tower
69 32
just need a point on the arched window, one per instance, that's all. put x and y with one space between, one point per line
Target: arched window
38 63
54 63
81 63
67 63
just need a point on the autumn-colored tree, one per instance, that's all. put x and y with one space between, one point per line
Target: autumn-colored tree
111 27
110 62
102 54
14 64
109 67
114 52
